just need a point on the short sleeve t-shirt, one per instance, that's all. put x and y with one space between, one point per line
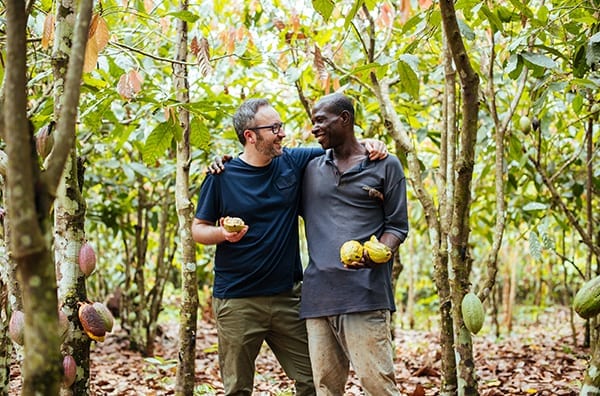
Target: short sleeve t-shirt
266 261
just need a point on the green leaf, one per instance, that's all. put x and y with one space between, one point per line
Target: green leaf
352 13
539 60
577 103
531 206
535 248
185 15
199 135
495 22
323 7
593 50
408 79
158 142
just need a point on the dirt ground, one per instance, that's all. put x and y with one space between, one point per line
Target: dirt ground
536 358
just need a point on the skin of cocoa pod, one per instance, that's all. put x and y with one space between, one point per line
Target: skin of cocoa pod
16 327
107 317
69 371
87 259
92 322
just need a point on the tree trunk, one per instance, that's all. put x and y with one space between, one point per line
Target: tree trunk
5 343
185 213
163 265
69 236
69 217
27 214
460 229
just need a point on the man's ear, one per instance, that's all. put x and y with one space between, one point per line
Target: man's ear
250 137
345 114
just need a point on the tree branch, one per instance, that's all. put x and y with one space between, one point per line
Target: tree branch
65 130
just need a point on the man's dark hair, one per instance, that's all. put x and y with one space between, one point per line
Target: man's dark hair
338 102
244 116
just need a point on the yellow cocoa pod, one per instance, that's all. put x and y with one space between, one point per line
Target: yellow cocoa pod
378 252
233 224
350 252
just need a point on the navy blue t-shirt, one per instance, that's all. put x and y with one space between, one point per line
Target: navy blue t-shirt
266 261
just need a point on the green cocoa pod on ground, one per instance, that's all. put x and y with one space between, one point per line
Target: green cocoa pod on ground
472 312
233 224
587 300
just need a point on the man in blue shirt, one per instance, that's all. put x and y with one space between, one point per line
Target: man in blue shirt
346 196
258 270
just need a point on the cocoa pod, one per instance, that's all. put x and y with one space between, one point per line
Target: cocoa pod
107 317
87 259
233 224
350 252
92 322
16 327
44 140
69 371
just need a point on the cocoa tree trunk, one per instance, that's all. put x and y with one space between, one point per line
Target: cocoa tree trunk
5 343
185 213
69 217
163 265
28 220
29 197
458 236
69 236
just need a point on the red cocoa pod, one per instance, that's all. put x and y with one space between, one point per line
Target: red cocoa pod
69 371
107 317
16 327
92 322
87 259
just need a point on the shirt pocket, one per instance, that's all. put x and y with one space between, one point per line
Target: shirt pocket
287 185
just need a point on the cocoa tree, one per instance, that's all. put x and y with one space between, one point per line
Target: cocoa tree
31 191
69 209
185 211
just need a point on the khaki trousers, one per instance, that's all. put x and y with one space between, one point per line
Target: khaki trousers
242 326
362 340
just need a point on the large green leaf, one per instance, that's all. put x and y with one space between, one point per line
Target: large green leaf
158 141
323 7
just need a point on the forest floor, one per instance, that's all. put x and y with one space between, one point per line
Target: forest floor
539 357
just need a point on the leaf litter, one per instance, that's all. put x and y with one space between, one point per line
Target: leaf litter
537 358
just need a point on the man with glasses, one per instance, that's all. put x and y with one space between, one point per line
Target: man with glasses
258 271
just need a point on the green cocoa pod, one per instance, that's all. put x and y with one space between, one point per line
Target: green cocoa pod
587 300
472 312
106 315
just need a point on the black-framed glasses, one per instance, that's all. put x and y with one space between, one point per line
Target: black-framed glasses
275 128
